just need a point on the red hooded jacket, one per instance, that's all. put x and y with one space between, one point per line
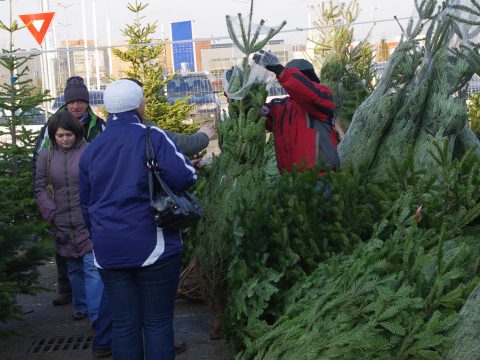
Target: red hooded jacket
303 123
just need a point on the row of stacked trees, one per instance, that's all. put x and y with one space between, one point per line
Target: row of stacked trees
386 271
382 268
24 244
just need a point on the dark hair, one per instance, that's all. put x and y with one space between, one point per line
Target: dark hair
65 120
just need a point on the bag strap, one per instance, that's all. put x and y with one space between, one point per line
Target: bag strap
152 167
149 148
50 191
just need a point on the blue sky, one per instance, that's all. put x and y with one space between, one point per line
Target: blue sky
208 16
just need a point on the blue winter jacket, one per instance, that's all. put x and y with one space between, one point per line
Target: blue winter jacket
114 193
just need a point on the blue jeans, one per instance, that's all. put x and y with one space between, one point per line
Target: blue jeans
142 302
87 285
103 326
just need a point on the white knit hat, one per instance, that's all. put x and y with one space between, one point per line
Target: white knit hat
122 95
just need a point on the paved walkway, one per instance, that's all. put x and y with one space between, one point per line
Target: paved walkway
50 333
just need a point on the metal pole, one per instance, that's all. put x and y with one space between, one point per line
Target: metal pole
164 52
49 57
95 39
65 8
68 42
59 68
85 44
372 15
109 39
68 46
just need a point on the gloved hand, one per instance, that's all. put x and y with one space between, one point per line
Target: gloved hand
229 73
269 61
208 130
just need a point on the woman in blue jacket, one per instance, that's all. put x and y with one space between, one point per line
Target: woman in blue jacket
138 262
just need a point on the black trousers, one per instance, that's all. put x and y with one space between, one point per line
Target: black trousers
62 273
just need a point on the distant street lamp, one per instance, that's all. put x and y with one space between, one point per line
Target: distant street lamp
67 41
65 7
85 46
109 40
372 15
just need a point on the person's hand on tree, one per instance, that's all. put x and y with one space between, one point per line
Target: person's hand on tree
269 61
199 163
196 163
208 130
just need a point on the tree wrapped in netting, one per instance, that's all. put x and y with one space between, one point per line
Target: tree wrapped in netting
410 289
420 103
386 266
236 177
420 99
397 293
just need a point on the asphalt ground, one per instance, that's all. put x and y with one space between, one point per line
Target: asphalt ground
48 332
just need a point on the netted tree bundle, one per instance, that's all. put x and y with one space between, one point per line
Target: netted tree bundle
401 294
466 334
421 98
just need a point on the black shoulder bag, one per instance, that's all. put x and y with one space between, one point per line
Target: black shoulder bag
171 210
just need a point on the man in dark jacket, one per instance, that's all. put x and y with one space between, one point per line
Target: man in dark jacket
302 123
76 102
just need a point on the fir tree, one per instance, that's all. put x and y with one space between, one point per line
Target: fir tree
236 181
393 295
23 244
346 68
144 58
474 113
382 51
421 97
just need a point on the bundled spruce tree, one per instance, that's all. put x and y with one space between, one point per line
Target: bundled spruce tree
144 58
396 294
421 102
420 99
382 268
400 293
23 241
236 178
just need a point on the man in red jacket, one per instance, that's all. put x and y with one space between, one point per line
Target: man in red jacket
302 123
